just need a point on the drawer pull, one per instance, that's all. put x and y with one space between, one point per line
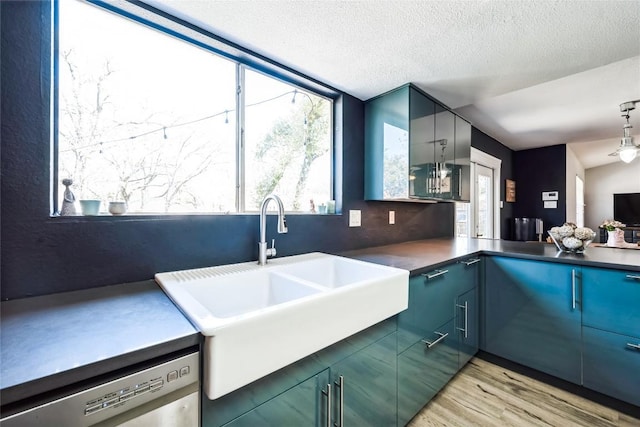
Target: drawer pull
470 262
573 288
633 277
328 404
432 343
466 326
633 346
436 273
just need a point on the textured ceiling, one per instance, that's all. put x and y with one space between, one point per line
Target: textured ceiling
529 73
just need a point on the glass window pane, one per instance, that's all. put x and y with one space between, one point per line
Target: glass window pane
287 144
143 117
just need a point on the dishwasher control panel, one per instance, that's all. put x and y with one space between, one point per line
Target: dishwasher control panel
115 397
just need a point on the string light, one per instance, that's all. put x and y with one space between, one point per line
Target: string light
163 129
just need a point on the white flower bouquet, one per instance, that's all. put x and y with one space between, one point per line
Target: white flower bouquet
611 224
570 238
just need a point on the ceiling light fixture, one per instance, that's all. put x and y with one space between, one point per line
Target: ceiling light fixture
627 150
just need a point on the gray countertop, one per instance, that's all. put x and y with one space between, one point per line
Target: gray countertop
57 340
421 255
51 341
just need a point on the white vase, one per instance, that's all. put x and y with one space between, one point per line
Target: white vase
615 238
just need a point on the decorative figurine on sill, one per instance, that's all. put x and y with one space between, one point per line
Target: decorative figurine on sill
69 200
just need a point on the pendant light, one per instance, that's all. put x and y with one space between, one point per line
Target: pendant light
627 150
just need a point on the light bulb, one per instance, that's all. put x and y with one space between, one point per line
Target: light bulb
628 154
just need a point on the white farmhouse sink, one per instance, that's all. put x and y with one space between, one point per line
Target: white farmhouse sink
258 319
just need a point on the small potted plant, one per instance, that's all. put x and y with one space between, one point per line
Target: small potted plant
615 234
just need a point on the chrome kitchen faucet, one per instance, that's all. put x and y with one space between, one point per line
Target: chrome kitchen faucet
265 252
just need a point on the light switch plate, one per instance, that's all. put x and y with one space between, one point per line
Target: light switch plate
355 218
392 217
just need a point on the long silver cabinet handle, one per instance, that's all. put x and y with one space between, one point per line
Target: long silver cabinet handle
634 346
470 262
328 405
432 343
573 288
633 277
340 385
437 273
465 307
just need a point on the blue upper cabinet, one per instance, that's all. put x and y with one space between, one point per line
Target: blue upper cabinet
533 315
462 170
415 149
386 166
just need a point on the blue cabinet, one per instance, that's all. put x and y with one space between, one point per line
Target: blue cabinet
437 334
415 148
533 315
611 332
306 404
364 386
353 380
611 300
611 364
424 369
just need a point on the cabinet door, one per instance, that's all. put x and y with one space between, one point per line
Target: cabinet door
612 364
421 146
424 369
611 300
364 386
462 182
467 326
442 179
532 315
386 165
302 405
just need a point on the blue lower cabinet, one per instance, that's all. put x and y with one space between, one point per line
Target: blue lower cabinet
611 300
467 326
533 315
432 300
424 369
353 381
306 404
611 364
364 386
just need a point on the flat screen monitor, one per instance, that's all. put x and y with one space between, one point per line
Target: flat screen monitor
626 208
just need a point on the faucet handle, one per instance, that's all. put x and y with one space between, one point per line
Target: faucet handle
271 252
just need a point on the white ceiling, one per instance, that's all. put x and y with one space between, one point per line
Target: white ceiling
529 73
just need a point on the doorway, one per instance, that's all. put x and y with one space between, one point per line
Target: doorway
481 217
482 202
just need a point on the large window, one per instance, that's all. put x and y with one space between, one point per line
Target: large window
172 127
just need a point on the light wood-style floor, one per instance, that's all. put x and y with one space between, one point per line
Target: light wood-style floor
484 394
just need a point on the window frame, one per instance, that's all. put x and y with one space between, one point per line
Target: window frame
243 59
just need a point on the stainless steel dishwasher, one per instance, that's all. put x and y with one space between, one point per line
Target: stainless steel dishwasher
166 393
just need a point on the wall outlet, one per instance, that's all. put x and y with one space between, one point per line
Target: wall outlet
392 217
355 218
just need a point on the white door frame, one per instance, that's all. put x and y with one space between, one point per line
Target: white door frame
484 159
